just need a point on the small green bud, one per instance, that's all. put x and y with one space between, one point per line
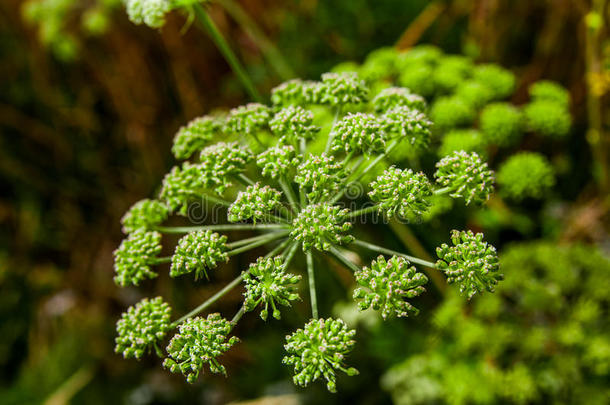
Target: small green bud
398 97
293 123
386 285
321 174
358 132
468 140
401 192
526 175
199 341
466 176
321 226
452 112
499 80
268 283
318 350
141 327
135 255
501 124
276 162
546 90
192 137
342 88
198 252
149 12
408 124
145 214
548 118
470 262
256 203
247 119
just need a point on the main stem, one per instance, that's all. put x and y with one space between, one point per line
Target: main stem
381 249
226 51
312 286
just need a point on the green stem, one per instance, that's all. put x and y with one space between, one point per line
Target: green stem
226 51
331 134
312 286
442 191
222 227
277 248
238 315
395 253
289 195
160 260
377 160
245 179
207 303
344 259
216 200
292 250
243 242
275 58
260 242
362 211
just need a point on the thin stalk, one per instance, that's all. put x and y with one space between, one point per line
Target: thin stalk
377 160
278 248
226 51
331 134
292 250
381 249
275 58
362 211
238 315
221 227
344 259
269 238
312 286
216 200
207 303
160 260
245 179
243 242
345 184
442 191
289 195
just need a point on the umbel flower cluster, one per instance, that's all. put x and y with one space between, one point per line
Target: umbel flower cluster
283 175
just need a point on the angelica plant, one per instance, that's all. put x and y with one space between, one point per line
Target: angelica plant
280 176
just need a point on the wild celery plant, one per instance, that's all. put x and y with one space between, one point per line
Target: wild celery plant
281 176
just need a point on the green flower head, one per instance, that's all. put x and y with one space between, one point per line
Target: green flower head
470 262
451 71
546 90
386 285
398 97
293 123
416 77
322 174
256 203
247 119
466 176
296 92
194 136
401 192
321 226
276 162
318 350
468 140
183 184
359 132
268 284
412 125
135 255
500 81
548 118
379 64
526 175
198 252
452 112
142 327
501 124
199 341
342 88
420 54
221 161
474 93
149 12
145 214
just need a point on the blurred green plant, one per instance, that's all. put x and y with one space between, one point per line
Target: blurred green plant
541 338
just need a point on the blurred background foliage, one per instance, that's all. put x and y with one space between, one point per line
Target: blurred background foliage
89 104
